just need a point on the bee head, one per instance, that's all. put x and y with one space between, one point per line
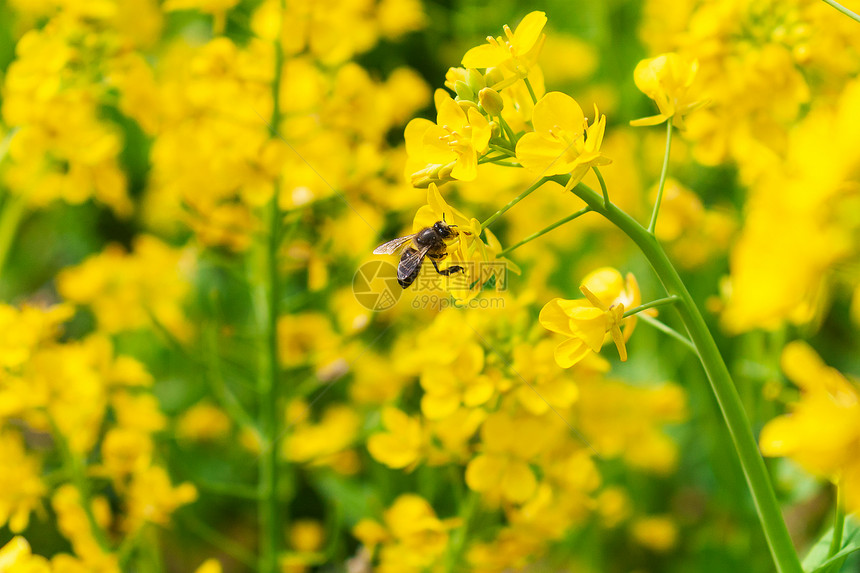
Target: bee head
444 229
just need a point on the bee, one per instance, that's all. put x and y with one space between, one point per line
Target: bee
429 242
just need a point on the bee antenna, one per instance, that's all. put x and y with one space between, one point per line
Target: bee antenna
443 217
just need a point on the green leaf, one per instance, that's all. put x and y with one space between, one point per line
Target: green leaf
817 560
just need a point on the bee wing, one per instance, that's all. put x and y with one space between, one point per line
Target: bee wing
392 247
410 261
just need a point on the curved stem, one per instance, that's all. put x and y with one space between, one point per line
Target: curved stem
659 302
546 230
500 149
512 138
663 173
666 329
531 91
602 185
838 524
755 472
513 202
853 15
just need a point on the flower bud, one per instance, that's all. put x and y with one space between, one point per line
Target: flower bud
463 91
491 101
475 80
494 76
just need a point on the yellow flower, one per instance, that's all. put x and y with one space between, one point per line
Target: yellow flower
658 533
447 387
73 523
209 566
152 498
412 539
402 445
502 471
323 443
822 432
16 557
515 54
21 489
667 79
449 148
203 422
586 322
218 9
562 141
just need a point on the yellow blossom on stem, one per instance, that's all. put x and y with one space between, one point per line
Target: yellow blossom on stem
402 445
562 141
412 538
449 148
502 471
515 54
585 323
822 431
667 80
21 488
477 258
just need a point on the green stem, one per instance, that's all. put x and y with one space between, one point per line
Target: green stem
546 230
217 539
853 15
513 202
662 327
663 173
226 398
500 149
659 302
488 159
508 131
838 524
266 297
10 220
602 186
755 472
531 91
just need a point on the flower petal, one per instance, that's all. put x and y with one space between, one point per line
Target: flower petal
570 352
557 109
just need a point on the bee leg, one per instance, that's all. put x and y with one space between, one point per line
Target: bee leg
447 272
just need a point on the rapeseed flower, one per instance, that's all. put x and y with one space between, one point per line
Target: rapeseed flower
21 488
822 430
412 538
562 141
502 471
667 79
403 444
449 148
586 323
515 54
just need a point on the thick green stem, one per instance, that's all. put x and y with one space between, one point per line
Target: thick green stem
853 15
546 230
513 202
266 297
758 480
838 524
663 173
